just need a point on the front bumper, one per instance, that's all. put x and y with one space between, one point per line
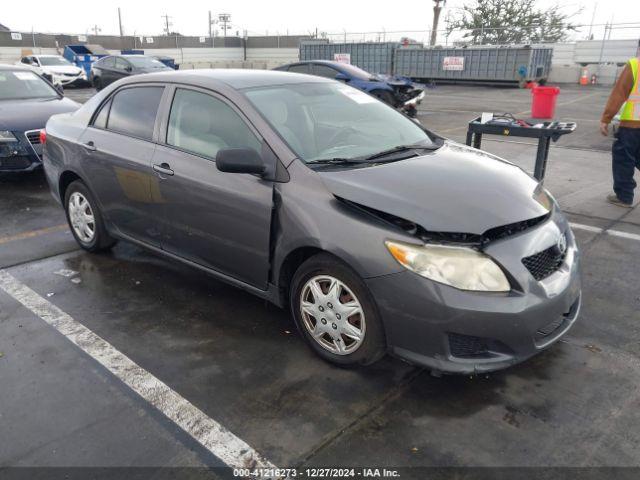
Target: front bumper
20 156
69 80
454 331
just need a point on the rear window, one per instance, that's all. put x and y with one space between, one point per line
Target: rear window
133 111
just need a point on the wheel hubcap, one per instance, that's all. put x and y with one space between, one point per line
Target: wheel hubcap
81 217
332 314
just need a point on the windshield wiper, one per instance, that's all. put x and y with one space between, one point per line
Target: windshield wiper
333 161
402 148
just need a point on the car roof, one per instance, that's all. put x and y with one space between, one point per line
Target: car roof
237 79
34 55
320 62
5 67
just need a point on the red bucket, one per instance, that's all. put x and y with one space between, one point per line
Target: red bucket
543 104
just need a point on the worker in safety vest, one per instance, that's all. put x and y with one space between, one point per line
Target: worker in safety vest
626 148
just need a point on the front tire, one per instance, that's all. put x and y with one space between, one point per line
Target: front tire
85 219
335 313
97 83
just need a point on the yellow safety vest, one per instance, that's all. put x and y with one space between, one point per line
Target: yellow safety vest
631 108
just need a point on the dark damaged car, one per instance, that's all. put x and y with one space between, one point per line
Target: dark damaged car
378 235
399 92
26 103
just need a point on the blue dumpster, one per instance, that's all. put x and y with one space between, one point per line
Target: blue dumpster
83 56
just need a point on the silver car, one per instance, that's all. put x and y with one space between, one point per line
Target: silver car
377 234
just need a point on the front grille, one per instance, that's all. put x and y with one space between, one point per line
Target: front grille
546 262
33 136
504 231
467 345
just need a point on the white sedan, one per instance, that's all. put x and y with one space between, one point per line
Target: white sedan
55 68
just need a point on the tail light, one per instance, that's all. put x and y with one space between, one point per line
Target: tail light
43 136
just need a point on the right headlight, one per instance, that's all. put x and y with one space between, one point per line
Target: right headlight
6 136
460 267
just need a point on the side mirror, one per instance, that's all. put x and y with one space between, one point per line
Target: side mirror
59 88
240 160
342 77
128 68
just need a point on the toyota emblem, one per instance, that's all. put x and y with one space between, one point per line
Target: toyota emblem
562 244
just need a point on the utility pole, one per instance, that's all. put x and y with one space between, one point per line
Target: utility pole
96 30
593 19
225 20
437 8
210 25
120 21
167 24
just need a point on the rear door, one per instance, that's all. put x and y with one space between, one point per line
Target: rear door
119 146
122 69
106 67
219 220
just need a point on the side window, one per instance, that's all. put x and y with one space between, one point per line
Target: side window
304 68
202 124
101 119
133 111
324 71
121 64
26 60
108 62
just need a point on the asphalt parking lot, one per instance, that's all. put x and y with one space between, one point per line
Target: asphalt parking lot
224 359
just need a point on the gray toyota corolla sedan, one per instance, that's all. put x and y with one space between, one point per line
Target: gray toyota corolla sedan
378 235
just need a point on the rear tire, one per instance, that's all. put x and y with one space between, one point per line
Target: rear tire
85 219
342 327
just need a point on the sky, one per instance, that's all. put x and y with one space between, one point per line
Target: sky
190 17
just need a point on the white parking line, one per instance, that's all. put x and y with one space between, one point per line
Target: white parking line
613 233
214 437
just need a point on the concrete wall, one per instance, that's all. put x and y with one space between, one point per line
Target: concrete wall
219 57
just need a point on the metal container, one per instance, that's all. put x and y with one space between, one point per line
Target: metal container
493 65
83 55
372 57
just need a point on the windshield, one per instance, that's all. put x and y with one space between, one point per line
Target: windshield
18 85
145 62
322 121
355 71
53 61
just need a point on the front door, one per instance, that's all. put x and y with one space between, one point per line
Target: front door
119 150
219 220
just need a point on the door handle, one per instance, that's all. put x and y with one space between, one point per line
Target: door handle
90 146
163 168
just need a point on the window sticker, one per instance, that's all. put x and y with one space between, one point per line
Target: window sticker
357 96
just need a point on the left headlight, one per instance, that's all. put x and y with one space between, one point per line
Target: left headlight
460 267
6 136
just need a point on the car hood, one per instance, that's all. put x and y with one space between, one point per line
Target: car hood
62 69
22 115
453 189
